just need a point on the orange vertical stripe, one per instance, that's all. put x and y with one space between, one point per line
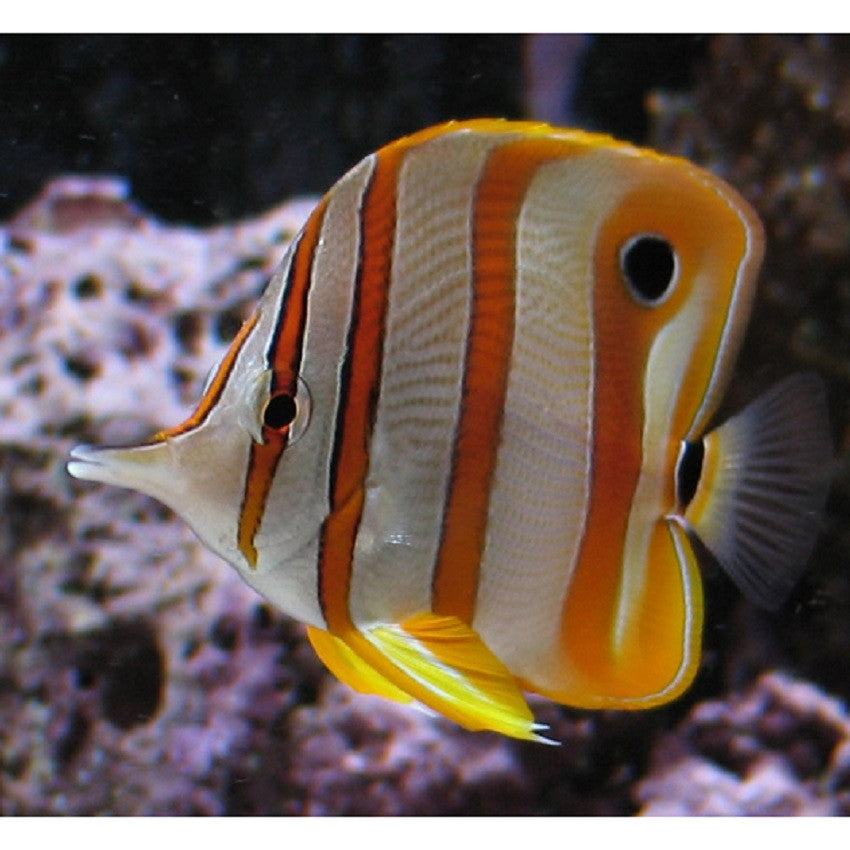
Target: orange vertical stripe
500 193
623 336
587 623
359 383
284 359
360 375
284 354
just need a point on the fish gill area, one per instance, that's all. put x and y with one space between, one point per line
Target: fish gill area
140 676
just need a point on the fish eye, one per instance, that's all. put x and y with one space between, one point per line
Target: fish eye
649 266
286 414
280 412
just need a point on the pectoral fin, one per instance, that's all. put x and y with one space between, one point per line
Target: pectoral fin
760 498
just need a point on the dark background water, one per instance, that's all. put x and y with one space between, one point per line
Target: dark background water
209 128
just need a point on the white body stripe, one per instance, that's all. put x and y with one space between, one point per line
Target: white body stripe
301 482
423 361
534 533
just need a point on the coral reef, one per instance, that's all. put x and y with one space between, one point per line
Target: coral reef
782 748
139 675
133 663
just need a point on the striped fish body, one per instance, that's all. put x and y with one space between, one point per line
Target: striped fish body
462 437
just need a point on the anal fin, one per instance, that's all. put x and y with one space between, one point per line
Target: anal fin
764 482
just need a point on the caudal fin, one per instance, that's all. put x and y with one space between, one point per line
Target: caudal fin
764 482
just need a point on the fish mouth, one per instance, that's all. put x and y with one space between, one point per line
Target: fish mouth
145 467
85 462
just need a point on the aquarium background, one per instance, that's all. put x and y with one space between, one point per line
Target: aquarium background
148 186
211 128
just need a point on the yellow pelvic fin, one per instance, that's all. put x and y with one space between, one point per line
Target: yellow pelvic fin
350 668
442 663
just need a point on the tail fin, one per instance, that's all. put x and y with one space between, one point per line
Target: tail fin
763 487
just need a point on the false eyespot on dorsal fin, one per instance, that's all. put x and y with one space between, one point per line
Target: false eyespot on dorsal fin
438 661
763 486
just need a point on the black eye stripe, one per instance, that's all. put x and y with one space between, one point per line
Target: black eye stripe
648 264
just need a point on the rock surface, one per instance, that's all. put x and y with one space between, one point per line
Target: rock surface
781 748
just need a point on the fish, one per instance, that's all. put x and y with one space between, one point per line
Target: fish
467 435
